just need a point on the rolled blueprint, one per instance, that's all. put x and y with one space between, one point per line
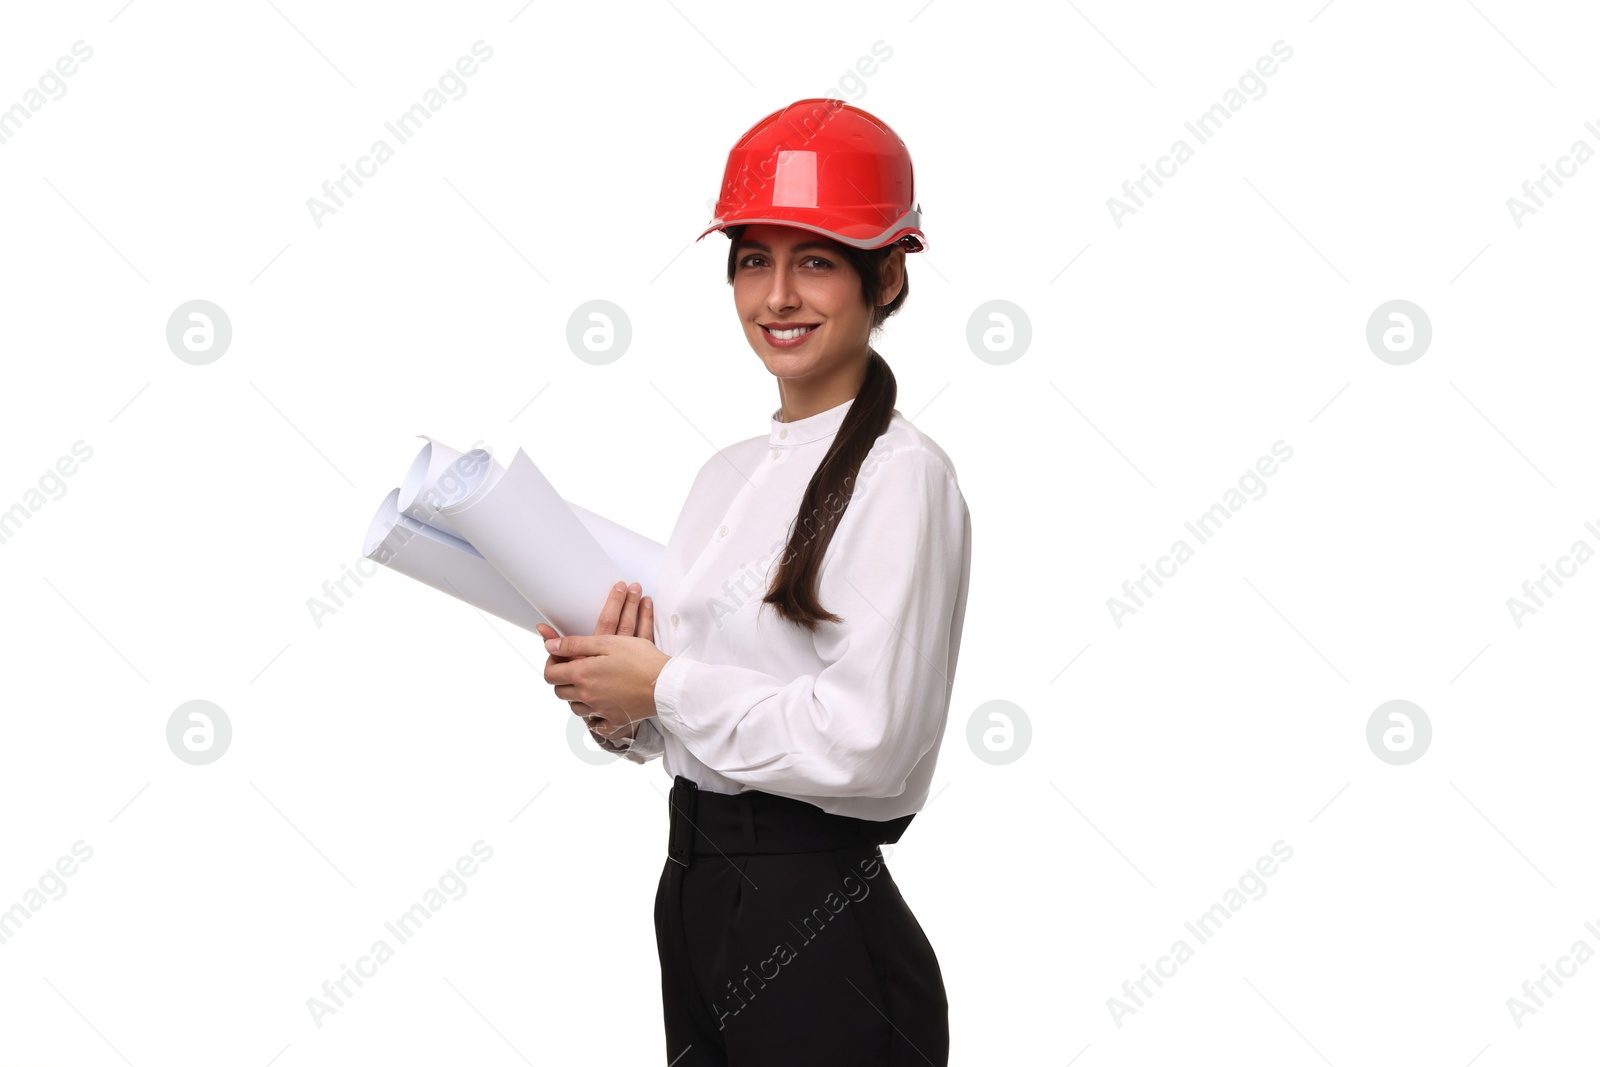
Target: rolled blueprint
433 474
637 558
445 562
513 516
438 472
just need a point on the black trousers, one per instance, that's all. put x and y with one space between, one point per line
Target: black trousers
785 941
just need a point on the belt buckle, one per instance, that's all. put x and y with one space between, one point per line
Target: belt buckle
681 802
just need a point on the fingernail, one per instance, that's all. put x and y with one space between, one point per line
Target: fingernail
619 587
551 644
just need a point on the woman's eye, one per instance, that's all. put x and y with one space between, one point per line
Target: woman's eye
756 261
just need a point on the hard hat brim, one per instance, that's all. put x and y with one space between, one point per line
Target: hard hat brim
905 230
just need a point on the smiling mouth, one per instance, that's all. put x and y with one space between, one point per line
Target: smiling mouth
789 334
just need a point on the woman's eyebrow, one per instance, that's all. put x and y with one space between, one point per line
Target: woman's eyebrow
808 246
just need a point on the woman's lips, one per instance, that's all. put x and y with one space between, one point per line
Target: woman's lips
776 342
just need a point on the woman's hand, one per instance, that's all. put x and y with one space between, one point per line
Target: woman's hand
625 613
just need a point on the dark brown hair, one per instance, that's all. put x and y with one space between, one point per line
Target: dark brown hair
794 591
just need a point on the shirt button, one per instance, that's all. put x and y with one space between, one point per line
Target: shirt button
783 433
776 452
722 532
674 619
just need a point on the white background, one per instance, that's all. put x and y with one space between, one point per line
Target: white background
1228 713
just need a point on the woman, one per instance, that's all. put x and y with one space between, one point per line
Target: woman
800 737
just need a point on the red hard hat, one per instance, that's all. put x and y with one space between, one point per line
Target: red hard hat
826 166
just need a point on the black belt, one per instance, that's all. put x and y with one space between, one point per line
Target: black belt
703 822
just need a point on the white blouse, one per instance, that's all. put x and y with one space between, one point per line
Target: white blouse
849 718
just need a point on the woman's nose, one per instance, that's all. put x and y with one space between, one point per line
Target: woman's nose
781 297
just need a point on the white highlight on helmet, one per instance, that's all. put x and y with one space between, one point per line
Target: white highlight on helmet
795 184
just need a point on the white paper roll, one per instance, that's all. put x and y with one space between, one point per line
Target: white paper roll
637 558
445 562
513 516
432 477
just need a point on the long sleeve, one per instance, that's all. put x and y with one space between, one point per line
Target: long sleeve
895 571
643 746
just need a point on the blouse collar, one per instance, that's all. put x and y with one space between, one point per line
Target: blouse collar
812 428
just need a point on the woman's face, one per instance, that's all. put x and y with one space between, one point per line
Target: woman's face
790 278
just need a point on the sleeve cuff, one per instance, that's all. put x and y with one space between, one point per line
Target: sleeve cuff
645 745
670 686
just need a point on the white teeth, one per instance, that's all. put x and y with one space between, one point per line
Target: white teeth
790 335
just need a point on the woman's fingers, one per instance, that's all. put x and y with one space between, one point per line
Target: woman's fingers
609 723
590 716
611 610
547 631
592 719
630 613
620 613
647 620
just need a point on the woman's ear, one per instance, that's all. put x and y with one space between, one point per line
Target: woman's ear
894 276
